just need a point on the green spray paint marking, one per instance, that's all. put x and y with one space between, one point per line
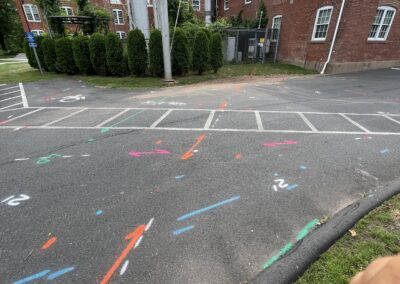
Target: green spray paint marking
106 129
277 256
45 160
304 232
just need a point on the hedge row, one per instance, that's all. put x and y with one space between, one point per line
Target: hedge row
104 54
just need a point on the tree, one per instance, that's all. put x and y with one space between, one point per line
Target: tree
201 52
49 54
216 55
186 13
156 53
11 34
261 19
80 49
137 52
65 60
97 50
180 53
52 8
115 55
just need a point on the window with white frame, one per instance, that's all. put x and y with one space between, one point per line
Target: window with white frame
115 2
247 1
382 23
32 13
118 17
276 27
67 10
226 5
121 34
149 3
37 32
196 5
321 25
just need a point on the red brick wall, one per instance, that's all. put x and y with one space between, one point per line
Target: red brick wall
235 6
32 25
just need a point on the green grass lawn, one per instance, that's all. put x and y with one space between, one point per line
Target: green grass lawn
377 234
21 72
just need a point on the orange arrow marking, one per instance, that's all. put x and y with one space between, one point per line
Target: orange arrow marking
189 153
134 237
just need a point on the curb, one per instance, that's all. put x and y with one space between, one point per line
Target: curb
294 263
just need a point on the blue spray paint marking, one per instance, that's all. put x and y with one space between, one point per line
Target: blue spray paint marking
99 212
179 177
276 174
303 168
292 186
32 277
180 231
191 214
384 151
60 272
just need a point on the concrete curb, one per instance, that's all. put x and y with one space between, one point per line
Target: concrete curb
294 263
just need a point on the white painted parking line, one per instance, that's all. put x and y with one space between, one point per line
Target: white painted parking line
12 98
112 118
1 85
23 115
355 123
65 117
161 118
9 107
393 68
309 124
209 120
9 93
259 121
23 95
9 88
390 118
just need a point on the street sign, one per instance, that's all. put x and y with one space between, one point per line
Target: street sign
30 37
32 44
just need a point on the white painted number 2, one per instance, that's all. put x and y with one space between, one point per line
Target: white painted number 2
70 99
281 184
15 201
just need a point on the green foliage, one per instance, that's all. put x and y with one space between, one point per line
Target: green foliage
97 49
262 11
186 13
11 33
100 22
80 48
201 52
52 8
216 55
39 50
238 20
115 55
156 53
180 53
49 54
219 26
137 53
29 54
65 60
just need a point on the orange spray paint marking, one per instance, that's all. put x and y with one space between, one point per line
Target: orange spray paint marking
158 142
238 156
238 88
49 243
189 153
223 105
133 236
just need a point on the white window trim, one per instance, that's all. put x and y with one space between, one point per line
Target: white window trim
37 32
316 21
29 6
66 8
149 3
225 8
386 9
247 2
116 2
123 18
272 25
119 34
199 6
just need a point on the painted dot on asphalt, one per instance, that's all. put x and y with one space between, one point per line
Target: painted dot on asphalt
384 151
99 212
276 174
303 168
195 151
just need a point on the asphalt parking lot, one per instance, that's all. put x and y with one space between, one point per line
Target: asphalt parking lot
199 184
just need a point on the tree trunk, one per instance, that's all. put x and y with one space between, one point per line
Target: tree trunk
2 41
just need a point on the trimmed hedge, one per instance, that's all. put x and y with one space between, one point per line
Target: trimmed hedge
29 54
156 53
39 50
97 49
80 48
216 55
65 60
137 53
180 53
115 55
201 52
49 54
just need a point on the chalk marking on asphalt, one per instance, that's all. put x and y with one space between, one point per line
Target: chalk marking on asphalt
354 123
67 156
161 118
384 151
112 118
56 274
199 211
149 224
365 173
306 121
12 98
32 277
183 230
304 232
23 115
23 95
390 118
179 177
277 256
259 121
21 159
189 153
49 243
138 242
209 120
85 155
64 117
9 93
124 267
292 186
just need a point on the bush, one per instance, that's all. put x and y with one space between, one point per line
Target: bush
115 55
49 54
156 53
97 50
65 60
29 54
137 52
216 56
180 53
80 48
201 52
39 50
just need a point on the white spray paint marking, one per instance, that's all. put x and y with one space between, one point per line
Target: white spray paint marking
15 201
155 103
70 99
149 224
67 156
21 159
124 267
282 183
138 242
86 155
366 174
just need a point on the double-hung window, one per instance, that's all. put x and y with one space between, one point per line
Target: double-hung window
247 2
118 17
115 1
32 13
382 23
121 34
37 32
276 27
67 10
226 5
196 5
322 23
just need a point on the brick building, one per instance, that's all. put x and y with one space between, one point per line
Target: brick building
367 33
232 8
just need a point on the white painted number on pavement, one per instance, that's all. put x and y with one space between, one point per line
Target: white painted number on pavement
15 201
70 99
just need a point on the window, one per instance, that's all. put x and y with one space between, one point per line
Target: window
149 3
67 10
118 17
32 13
382 23
226 5
276 27
37 32
247 2
322 23
115 1
122 35
196 5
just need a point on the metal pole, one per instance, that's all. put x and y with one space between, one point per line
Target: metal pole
277 45
176 22
37 59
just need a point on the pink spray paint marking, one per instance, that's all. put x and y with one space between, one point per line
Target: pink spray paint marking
275 144
154 152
